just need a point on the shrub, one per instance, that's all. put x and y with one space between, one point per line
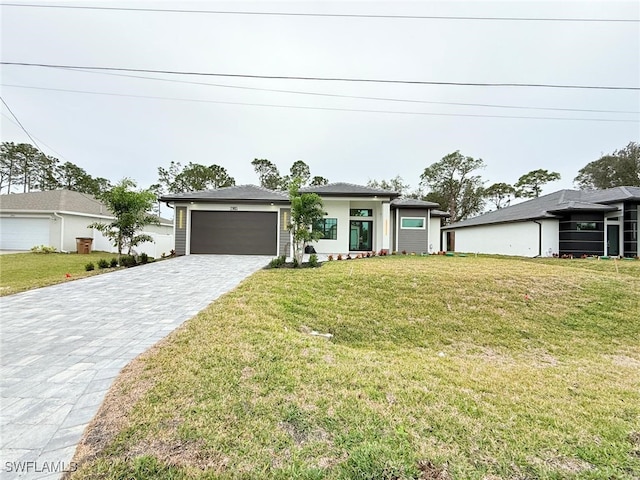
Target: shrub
330 258
339 256
102 263
43 249
113 263
144 258
128 261
89 267
313 260
404 252
277 262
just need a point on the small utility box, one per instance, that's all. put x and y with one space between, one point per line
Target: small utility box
83 244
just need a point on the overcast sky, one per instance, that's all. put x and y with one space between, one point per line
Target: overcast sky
128 134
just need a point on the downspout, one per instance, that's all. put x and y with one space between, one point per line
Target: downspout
539 239
55 214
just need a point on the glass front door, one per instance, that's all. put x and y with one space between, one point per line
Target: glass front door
360 236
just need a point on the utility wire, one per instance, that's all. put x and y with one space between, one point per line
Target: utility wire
301 107
336 95
22 126
323 79
326 15
59 156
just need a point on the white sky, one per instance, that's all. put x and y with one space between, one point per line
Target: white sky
118 136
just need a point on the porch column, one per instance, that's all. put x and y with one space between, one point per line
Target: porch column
386 226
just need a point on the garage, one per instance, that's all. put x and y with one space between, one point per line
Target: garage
234 233
23 233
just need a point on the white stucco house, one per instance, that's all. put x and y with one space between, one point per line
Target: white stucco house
56 218
567 222
247 219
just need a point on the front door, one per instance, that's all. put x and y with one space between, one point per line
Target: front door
613 240
360 236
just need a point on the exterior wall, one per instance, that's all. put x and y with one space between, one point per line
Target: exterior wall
76 226
577 242
435 235
630 229
409 239
285 246
517 238
180 223
338 209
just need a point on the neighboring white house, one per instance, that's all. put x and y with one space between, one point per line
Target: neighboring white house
567 222
246 219
56 218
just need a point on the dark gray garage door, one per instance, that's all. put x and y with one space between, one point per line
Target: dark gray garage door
234 233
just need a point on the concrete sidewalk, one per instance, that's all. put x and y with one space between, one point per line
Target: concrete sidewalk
62 346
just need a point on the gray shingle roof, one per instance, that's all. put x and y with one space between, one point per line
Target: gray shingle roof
412 203
439 213
548 205
237 193
342 189
54 201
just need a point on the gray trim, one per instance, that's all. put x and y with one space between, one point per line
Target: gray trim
409 239
284 234
180 230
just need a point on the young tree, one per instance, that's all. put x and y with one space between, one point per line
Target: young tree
500 194
621 168
452 184
131 210
306 211
268 174
530 184
396 184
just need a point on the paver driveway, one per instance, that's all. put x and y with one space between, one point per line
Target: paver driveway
62 346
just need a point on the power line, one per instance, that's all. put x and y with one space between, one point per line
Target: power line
325 15
22 126
303 107
322 79
40 140
336 95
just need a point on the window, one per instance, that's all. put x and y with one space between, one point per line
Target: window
586 226
361 212
412 222
328 227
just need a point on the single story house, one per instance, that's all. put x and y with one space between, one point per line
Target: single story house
55 218
247 219
567 222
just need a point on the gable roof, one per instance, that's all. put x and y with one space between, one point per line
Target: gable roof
54 201
412 203
548 206
237 193
342 189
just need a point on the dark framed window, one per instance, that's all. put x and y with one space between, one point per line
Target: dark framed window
361 212
415 223
328 227
586 226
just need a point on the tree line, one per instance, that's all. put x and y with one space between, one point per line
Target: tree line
453 182
25 168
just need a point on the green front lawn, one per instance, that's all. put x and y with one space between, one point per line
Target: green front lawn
438 368
24 271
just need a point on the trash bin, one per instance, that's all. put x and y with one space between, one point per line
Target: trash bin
83 244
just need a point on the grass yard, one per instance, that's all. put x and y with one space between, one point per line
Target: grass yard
438 368
24 271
